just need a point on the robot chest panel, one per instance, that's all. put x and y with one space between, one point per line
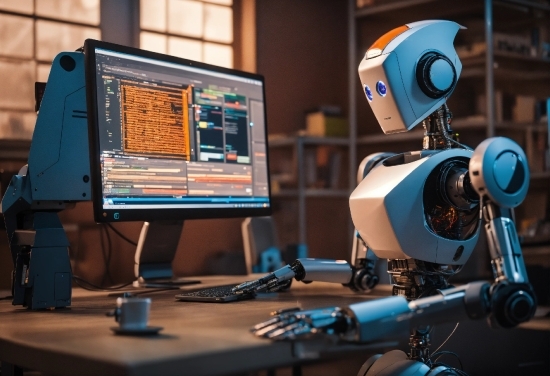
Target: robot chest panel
388 209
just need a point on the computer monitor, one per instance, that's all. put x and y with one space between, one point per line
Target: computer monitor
173 139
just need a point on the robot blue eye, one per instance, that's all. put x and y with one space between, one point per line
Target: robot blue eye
381 88
368 93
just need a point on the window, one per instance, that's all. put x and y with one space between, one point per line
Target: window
192 29
32 32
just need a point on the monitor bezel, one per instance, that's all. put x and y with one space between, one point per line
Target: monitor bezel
149 215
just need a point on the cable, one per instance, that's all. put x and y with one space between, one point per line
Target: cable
106 253
121 235
93 287
444 342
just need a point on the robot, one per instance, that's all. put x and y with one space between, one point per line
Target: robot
423 211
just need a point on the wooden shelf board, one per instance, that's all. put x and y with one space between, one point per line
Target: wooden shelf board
387 7
313 192
307 140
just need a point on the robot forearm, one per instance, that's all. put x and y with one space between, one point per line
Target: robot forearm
376 319
380 318
306 269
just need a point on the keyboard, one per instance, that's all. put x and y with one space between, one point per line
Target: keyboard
217 294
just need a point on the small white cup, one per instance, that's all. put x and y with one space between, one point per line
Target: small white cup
132 313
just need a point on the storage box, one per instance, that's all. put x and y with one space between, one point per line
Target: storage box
320 124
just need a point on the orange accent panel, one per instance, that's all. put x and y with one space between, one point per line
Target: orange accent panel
383 41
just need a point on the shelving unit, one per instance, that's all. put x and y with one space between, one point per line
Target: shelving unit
302 192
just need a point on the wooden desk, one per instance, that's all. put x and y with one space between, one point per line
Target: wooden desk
198 338
214 339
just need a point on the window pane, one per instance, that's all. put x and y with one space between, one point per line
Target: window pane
218 23
17 125
218 54
54 37
222 2
152 42
19 6
185 18
42 72
152 15
16 36
17 89
84 11
186 48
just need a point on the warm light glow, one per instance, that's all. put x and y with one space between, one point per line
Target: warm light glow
185 18
152 15
218 54
53 37
186 48
153 42
218 23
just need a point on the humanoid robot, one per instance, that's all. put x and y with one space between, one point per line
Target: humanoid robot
421 210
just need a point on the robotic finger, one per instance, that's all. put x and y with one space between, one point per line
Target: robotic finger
291 325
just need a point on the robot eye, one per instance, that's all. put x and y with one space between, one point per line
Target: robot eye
368 92
381 88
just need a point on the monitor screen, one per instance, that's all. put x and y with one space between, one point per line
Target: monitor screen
172 138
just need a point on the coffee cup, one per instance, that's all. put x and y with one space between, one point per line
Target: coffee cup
132 313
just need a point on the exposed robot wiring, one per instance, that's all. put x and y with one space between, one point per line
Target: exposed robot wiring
459 144
444 342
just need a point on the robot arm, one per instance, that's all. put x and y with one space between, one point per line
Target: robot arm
306 269
381 318
360 276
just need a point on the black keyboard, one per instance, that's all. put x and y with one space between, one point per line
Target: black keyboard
217 294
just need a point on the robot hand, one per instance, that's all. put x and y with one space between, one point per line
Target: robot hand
307 270
291 323
272 282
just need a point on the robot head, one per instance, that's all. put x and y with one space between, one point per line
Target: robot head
409 72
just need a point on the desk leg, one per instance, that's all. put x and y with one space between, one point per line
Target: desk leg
9 369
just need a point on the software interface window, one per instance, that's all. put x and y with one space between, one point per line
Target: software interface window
178 136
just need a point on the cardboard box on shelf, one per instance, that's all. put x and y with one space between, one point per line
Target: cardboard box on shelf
319 124
524 109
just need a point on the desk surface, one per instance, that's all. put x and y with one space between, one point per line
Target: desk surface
198 338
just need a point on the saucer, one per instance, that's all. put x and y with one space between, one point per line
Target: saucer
150 330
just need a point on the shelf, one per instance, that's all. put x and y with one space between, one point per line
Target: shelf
14 149
543 175
382 138
313 192
387 7
281 141
480 123
474 67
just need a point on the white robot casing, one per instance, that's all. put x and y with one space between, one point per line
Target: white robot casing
387 209
404 104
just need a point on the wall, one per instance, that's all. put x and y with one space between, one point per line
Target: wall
302 52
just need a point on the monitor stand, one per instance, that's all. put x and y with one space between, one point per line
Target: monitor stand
156 248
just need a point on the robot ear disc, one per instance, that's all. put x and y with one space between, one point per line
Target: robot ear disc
435 74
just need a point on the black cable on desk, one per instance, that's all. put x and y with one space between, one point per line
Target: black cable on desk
92 287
